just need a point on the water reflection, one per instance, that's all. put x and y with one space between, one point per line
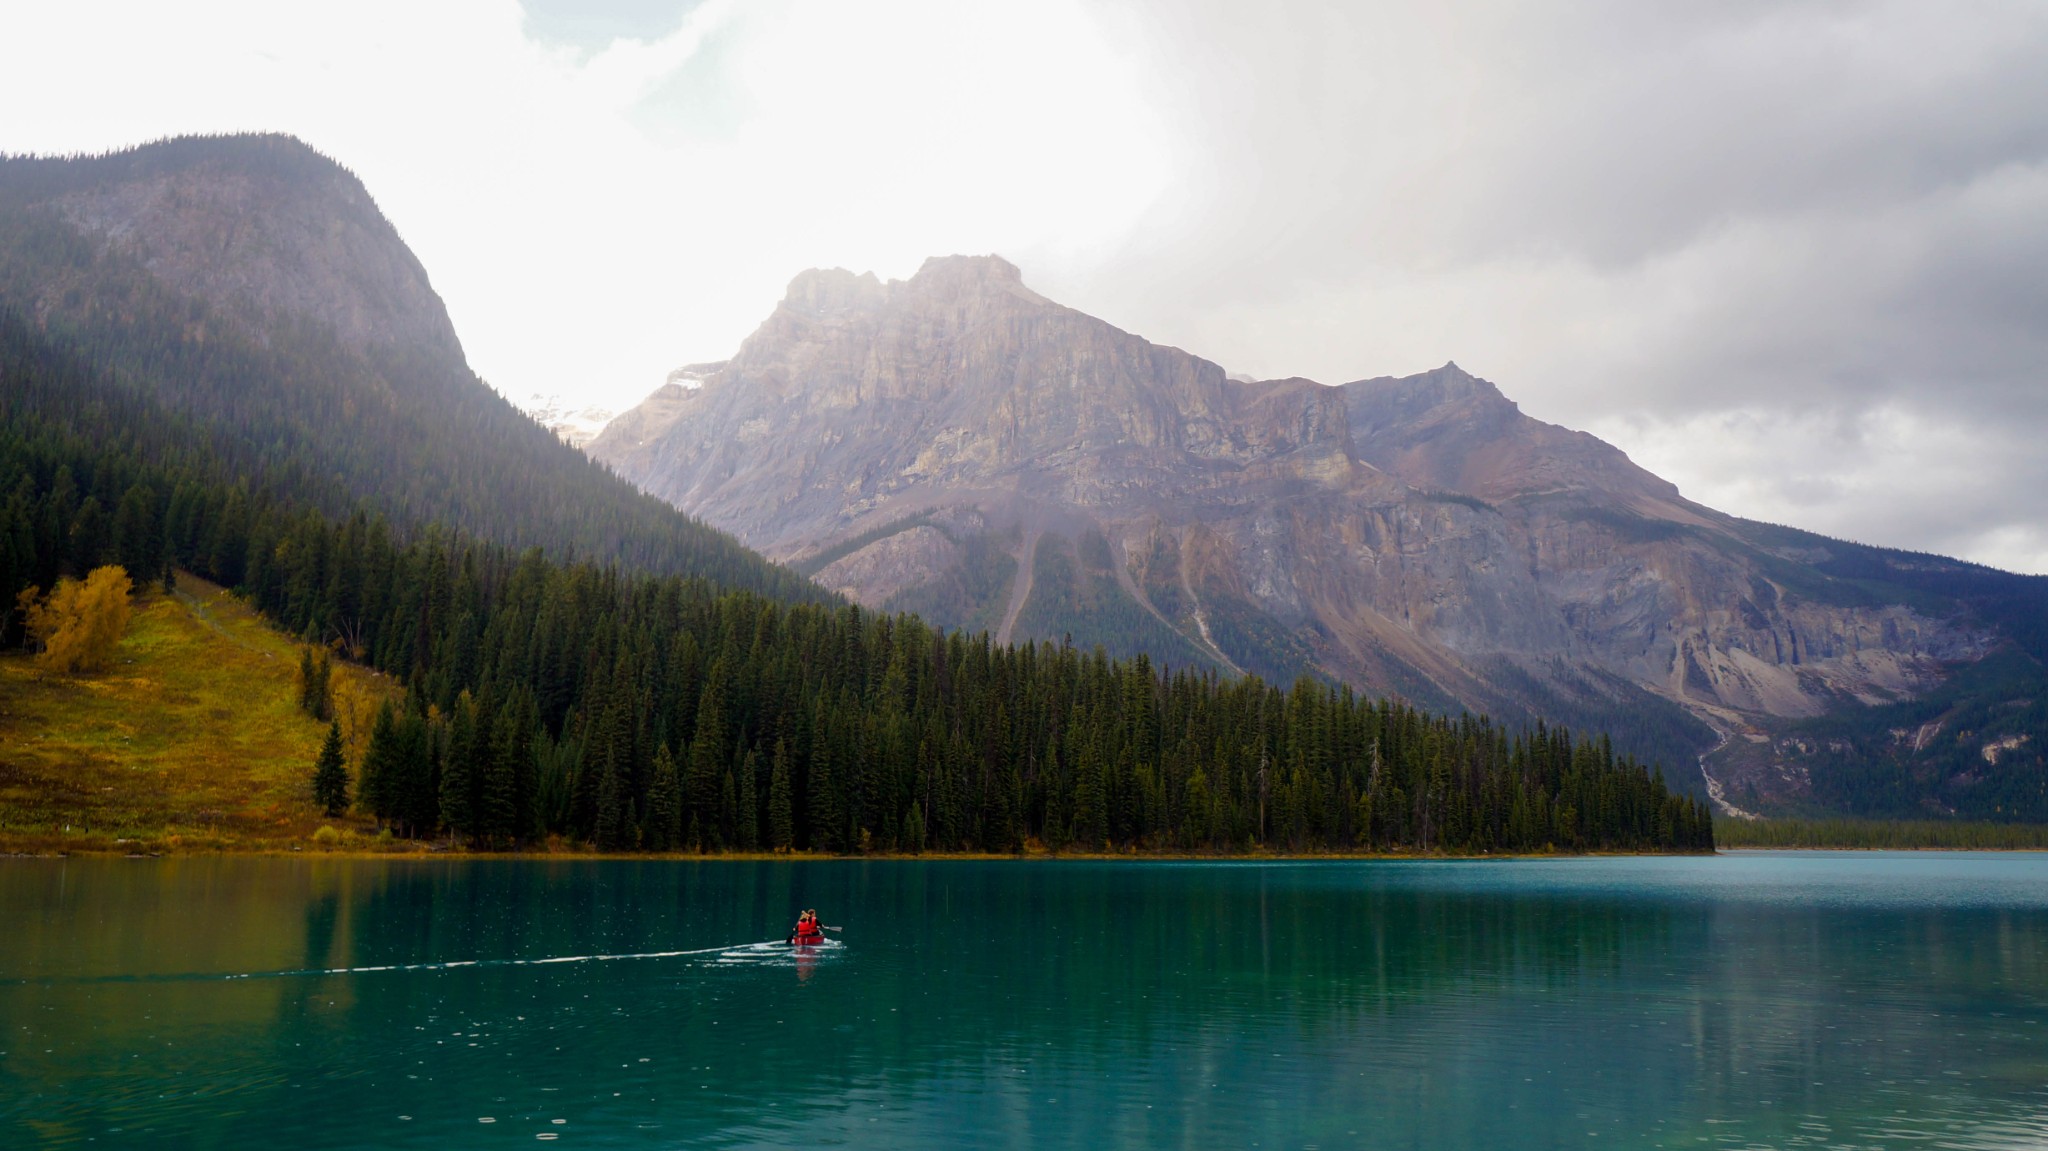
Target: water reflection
1074 1004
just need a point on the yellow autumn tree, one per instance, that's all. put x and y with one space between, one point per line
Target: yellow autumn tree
77 625
355 708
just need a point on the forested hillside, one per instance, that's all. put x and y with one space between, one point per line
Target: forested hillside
203 281
551 697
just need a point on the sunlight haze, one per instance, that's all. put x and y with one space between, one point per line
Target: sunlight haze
1786 256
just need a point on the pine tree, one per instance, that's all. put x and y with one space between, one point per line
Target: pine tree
708 756
497 798
728 814
458 771
380 770
781 823
613 815
825 797
664 830
1195 829
330 774
518 733
316 682
747 836
913 830
1091 816
419 786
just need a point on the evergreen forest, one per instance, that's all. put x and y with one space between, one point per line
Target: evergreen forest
633 707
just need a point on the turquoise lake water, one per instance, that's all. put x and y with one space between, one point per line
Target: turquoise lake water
1748 1000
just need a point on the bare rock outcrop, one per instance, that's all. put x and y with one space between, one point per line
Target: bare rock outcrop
269 232
1417 535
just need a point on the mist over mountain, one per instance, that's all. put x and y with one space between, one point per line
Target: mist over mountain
957 445
251 285
575 425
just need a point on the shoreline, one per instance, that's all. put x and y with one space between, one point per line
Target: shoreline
1028 856
358 847
465 855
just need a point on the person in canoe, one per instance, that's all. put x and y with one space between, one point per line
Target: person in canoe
808 931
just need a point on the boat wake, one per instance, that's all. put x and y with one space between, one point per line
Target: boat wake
772 952
776 953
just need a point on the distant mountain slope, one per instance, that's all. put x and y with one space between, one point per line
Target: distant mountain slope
250 283
959 445
574 426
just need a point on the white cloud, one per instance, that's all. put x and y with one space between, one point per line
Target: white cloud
1896 474
1757 245
595 218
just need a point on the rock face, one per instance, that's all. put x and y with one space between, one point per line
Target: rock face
267 232
957 444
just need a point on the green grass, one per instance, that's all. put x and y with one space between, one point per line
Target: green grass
192 739
1880 835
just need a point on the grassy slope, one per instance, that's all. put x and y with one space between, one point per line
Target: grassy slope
1881 835
192 740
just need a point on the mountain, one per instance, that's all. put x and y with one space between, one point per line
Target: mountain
960 446
216 360
575 426
248 289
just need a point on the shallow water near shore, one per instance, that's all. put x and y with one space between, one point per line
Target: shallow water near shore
1759 999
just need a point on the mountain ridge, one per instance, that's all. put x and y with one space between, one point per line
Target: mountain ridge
959 445
251 284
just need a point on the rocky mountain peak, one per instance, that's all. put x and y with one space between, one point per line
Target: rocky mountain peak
940 281
262 228
1449 430
968 269
831 291
959 374
954 277
1438 394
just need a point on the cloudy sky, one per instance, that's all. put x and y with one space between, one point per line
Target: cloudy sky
1793 256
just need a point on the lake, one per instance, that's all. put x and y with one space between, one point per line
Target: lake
1747 1000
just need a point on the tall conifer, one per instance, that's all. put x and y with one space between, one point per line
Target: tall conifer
664 830
330 774
781 819
747 835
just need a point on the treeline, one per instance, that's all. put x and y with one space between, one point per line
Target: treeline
664 714
549 699
1896 835
631 711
